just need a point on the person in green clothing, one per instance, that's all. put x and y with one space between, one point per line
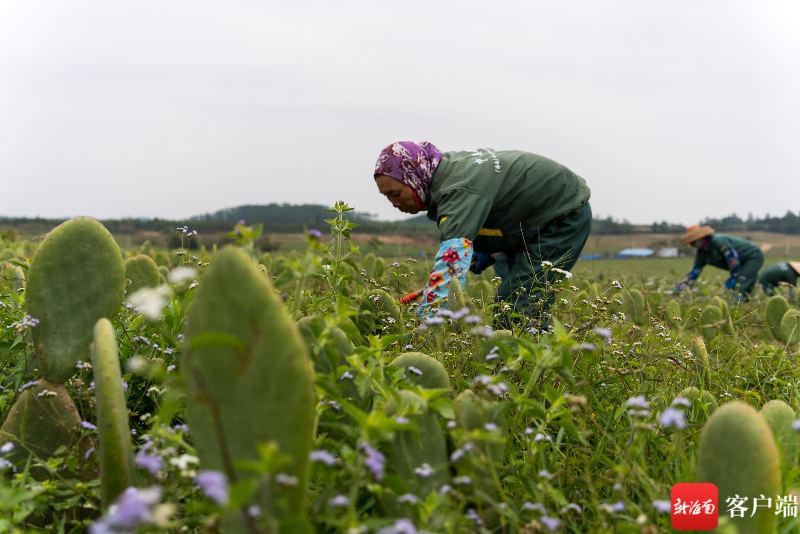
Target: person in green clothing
485 201
774 275
741 258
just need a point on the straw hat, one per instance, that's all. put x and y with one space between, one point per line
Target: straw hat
694 232
795 265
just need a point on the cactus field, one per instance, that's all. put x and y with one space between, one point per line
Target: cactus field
226 390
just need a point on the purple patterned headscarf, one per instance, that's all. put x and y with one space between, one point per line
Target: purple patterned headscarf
411 164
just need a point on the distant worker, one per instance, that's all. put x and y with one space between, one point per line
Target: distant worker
526 206
741 258
783 272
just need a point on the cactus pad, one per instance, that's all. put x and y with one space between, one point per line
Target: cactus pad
737 453
790 327
483 291
116 453
337 347
673 313
456 298
142 272
49 422
381 306
434 375
776 309
408 451
711 315
249 378
76 278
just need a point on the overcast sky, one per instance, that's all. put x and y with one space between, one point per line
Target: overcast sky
671 110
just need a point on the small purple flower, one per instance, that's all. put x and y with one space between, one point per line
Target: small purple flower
374 461
603 332
131 509
315 233
472 515
7 447
550 522
241 222
322 456
87 425
27 385
88 453
340 501
151 462
214 484
662 507
673 417
414 370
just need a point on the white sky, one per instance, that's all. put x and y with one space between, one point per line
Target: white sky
671 110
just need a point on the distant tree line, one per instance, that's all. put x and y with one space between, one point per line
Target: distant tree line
285 218
788 224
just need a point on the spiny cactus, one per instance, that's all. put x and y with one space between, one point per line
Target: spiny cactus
779 416
474 414
433 374
483 291
701 366
691 315
76 278
776 309
498 337
737 453
337 346
702 405
49 419
710 320
727 326
147 248
673 313
456 297
142 272
380 306
116 454
790 327
409 451
249 380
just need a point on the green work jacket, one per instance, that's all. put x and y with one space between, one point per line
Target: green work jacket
499 199
719 247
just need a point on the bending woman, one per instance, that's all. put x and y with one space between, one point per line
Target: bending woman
742 259
485 201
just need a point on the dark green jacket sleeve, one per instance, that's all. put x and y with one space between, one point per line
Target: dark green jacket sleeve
461 213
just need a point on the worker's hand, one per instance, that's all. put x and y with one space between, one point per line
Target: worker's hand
730 283
480 262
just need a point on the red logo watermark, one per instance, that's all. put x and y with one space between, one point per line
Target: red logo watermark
694 506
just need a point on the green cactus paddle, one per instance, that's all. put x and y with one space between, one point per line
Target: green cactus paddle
76 278
775 310
433 374
249 379
117 470
142 272
737 453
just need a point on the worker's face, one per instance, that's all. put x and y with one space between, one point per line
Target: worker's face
697 244
398 194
